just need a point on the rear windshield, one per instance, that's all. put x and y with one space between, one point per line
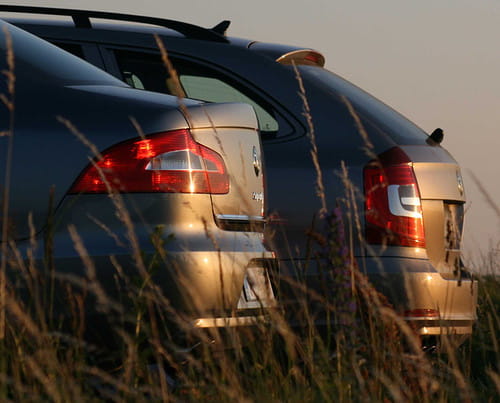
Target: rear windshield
400 129
36 59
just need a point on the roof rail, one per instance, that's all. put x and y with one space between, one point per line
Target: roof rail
81 18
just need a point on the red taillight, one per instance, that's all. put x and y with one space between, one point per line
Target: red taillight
163 162
422 313
393 209
315 58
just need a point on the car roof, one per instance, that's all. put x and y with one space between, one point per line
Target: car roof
82 19
120 22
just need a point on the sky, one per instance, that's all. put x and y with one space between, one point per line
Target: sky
435 61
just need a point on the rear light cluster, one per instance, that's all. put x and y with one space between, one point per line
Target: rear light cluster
393 210
163 162
422 313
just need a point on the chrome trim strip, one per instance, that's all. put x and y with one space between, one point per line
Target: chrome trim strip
234 217
233 321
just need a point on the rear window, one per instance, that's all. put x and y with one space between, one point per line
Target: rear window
400 129
147 71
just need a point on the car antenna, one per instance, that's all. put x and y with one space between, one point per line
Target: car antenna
436 136
221 27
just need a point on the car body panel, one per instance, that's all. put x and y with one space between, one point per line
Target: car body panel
443 198
228 135
454 299
207 264
437 172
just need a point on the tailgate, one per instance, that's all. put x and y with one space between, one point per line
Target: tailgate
443 198
231 131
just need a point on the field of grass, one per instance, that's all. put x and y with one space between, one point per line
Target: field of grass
367 353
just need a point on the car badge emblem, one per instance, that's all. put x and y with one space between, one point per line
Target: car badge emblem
460 183
256 162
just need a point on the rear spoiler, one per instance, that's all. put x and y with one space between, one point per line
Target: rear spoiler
307 56
284 54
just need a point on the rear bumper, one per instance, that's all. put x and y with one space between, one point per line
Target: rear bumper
200 287
431 303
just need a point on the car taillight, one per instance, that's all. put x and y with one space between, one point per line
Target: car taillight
422 313
163 162
393 211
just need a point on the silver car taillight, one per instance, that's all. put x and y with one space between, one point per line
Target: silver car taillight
163 162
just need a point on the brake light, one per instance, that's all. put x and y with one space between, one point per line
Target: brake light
422 313
393 210
315 58
302 56
163 162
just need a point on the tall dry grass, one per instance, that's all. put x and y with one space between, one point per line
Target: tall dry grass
365 351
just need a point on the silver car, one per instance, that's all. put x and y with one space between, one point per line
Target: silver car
116 190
